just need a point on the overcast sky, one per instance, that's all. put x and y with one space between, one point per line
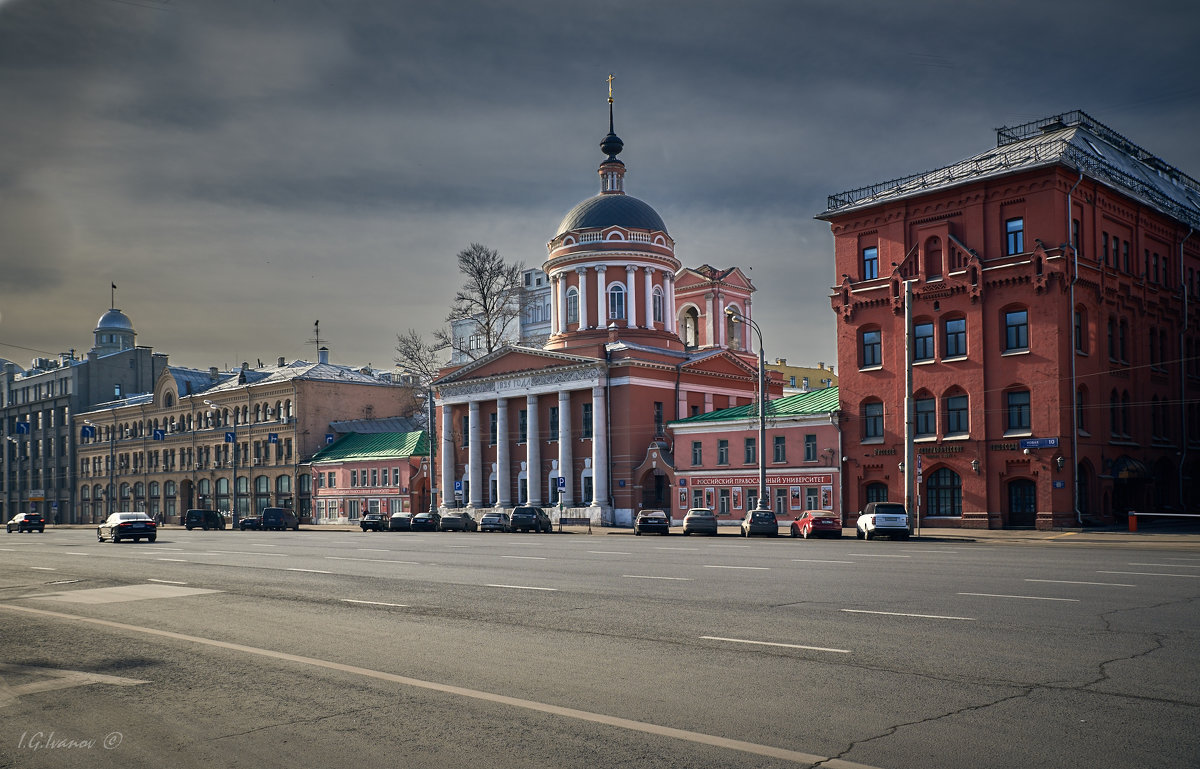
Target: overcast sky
242 168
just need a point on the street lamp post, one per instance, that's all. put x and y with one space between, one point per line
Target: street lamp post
737 317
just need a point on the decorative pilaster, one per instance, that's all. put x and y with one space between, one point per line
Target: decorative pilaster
474 457
533 451
599 448
565 462
503 462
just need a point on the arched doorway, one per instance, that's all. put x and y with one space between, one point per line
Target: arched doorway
1022 503
656 490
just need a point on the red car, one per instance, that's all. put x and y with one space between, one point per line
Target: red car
817 523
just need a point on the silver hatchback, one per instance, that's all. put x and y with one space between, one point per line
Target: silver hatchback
700 520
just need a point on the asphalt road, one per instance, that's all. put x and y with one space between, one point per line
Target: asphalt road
339 648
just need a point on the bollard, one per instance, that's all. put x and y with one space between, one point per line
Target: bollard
1132 521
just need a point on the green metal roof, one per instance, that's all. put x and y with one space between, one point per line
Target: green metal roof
812 402
356 446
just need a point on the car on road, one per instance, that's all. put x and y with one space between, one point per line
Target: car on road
135 526
533 519
22 522
400 522
495 522
458 520
888 519
373 522
251 522
700 520
816 523
760 522
425 522
651 522
203 519
278 519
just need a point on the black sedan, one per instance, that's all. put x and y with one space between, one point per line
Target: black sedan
458 520
133 526
252 522
373 522
27 522
425 522
400 522
651 522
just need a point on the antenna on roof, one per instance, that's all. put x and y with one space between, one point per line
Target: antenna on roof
316 340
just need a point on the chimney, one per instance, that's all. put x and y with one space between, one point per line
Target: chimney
821 365
323 355
781 361
212 373
280 361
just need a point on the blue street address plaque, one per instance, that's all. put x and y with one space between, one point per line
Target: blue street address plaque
1039 443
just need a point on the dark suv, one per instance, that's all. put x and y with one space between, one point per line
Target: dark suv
203 519
278 519
27 522
531 518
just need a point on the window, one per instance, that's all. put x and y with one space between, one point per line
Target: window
751 451
1016 330
1017 411
877 492
1122 336
375 476
466 431
587 420
616 302
697 454
956 337
925 413
957 419
658 304
922 341
1081 330
572 305
332 480
722 452
554 423
870 263
810 447
870 349
1114 414
396 476
493 428
353 478
780 448
1081 410
1104 248
1015 232
658 419
873 420
944 491
723 502
1075 242
523 426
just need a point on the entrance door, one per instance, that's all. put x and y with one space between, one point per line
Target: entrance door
1022 503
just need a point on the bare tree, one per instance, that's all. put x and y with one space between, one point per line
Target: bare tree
492 299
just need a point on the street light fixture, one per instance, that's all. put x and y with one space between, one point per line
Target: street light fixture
737 317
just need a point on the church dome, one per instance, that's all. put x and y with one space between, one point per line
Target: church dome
607 209
114 320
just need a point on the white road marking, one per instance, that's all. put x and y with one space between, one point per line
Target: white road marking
698 738
1072 582
312 571
1150 574
645 576
1025 597
70 552
174 560
377 603
526 587
772 643
816 560
900 614
878 555
167 581
247 552
373 550
677 548
608 552
369 560
1169 565
43 568
139 592
526 557
729 546
748 568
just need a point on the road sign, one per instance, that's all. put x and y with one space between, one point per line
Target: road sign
562 482
230 437
458 487
22 428
329 437
160 435
87 431
272 437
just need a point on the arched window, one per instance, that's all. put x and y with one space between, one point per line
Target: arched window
169 402
572 305
933 259
283 484
691 327
944 491
616 302
658 304
1114 413
872 420
877 492
733 330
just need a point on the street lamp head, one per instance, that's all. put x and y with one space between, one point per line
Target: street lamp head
733 314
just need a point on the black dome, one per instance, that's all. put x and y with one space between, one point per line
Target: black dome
606 210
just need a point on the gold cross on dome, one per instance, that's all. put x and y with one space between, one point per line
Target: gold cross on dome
611 77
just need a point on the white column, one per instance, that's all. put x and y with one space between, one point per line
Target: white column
447 455
503 479
721 321
630 297
601 299
746 335
599 448
583 316
669 290
648 302
565 464
709 328
533 452
554 312
474 458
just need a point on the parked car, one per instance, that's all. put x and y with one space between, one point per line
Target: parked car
252 522
495 522
373 522
133 526
651 522
816 523
700 520
531 519
278 519
203 519
760 522
425 522
400 522
458 520
889 519
27 522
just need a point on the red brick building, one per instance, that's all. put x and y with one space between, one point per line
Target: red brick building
361 473
636 341
1054 355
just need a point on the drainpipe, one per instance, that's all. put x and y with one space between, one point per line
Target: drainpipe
1074 347
1183 369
